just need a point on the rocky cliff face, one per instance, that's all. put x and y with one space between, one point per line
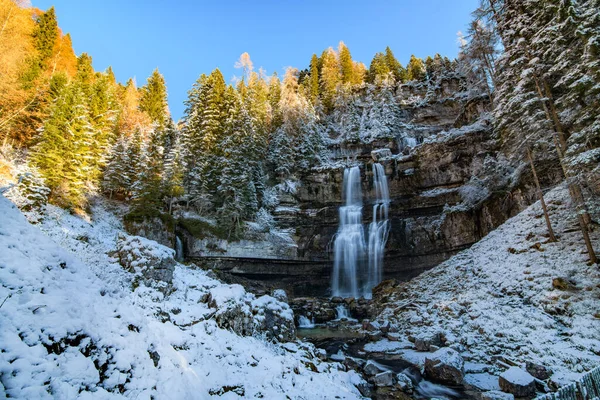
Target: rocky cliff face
450 184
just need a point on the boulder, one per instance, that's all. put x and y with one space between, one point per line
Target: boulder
152 263
246 315
538 371
403 382
371 369
517 382
445 366
496 395
423 342
385 378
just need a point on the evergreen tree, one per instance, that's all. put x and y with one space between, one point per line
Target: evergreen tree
329 79
416 69
346 64
153 99
394 66
379 70
313 80
63 154
274 116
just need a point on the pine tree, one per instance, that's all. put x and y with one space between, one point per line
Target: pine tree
46 34
153 99
313 80
64 152
394 66
379 69
329 79
274 116
346 64
416 69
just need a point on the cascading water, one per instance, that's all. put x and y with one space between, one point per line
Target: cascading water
178 249
379 228
349 245
304 322
357 268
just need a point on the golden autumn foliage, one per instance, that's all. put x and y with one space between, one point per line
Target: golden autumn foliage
24 78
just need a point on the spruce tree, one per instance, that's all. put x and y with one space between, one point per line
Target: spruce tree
153 99
313 80
416 69
329 79
346 64
395 66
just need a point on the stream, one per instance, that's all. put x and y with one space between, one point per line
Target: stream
346 340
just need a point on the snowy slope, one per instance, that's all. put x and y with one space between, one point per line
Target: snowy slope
498 299
70 326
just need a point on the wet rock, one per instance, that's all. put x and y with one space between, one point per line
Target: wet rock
538 371
496 395
404 383
445 366
373 326
337 300
517 382
385 378
371 369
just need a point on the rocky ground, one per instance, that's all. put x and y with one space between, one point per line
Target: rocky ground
513 313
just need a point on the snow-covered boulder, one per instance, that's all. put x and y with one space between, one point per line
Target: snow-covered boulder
496 395
424 341
517 382
445 366
384 379
274 318
246 315
371 368
403 382
151 261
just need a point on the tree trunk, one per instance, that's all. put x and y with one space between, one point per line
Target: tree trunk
541 196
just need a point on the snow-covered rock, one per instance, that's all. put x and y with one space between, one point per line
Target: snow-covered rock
150 261
517 382
496 395
446 366
385 378
404 382
498 297
70 326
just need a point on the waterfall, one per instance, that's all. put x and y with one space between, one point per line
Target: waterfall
178 249
358 266
304 322
379 228
349 245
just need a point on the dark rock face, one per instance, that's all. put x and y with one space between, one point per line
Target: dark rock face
446 194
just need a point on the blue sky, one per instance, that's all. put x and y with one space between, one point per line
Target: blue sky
185 38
